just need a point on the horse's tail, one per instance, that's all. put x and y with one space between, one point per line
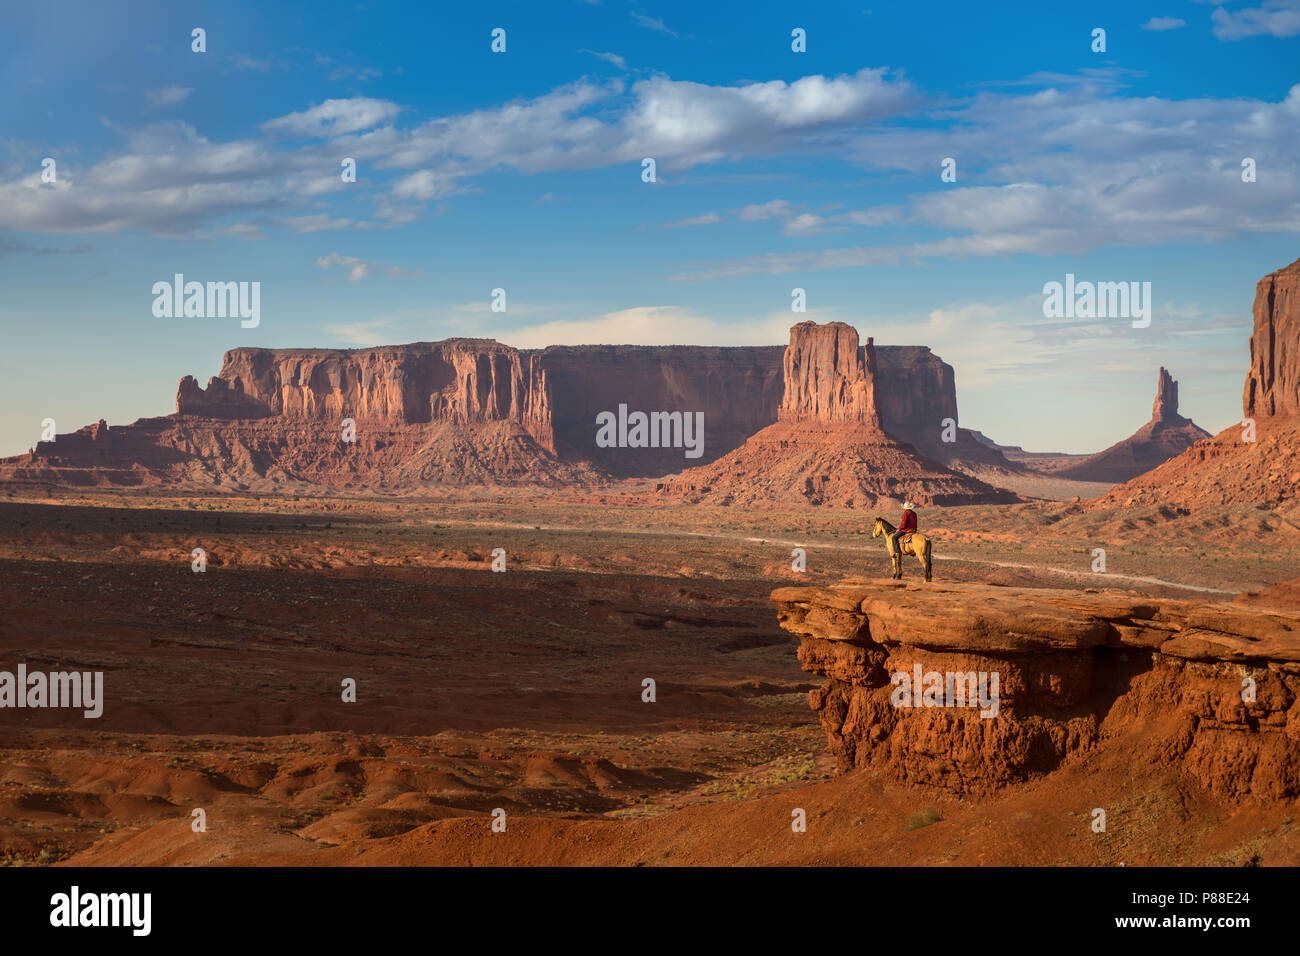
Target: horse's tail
927 557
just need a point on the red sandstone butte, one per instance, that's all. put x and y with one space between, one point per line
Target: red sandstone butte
461 411
458 380
1230 468
1273 383
472 411
828 447
828 378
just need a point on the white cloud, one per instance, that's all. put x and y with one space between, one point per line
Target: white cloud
1016 342
247 64
171 179
875 216
796 221
613 58
810 224
707 219
1277 18
1160 24
244 230
776 208
317 222
1090 170
334 117
360 74
691 123
651 325
167 96
359 269
1107 369
361 334
650 23
1092 77
1091 166
681 124
422 186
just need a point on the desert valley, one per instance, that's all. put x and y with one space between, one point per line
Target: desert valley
627 653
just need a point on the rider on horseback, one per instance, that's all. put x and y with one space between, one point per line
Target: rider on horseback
907 526
906 537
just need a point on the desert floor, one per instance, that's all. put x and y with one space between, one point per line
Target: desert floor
522 690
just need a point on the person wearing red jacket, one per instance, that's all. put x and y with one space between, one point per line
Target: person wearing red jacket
907 526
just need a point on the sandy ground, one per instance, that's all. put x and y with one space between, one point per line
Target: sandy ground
522 691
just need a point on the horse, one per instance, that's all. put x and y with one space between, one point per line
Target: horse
917 544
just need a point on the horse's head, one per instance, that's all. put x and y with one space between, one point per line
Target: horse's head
879 529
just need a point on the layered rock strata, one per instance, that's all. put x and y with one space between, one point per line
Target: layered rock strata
1213 690
829 445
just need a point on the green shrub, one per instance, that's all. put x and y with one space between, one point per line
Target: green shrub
918 820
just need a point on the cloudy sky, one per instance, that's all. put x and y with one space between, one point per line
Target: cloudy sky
523 170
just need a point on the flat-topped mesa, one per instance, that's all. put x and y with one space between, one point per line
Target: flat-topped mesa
531 415
1273 382
738 389
828 377
974 686
915 392
456 380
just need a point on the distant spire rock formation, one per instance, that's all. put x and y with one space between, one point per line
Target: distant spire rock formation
1165 408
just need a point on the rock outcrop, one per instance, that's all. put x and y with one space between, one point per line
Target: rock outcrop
1273 382
1256 461
277 454
457 380
475 410
917 395
738 389
1226 469
1074 671
1167 435
828 377
916 391
828 446
1165 408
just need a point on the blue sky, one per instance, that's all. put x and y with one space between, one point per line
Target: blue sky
522 170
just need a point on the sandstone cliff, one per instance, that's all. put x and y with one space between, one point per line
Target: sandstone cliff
738 390
1075 671
915 391
475 410
456 380
1273 382
917 395
828 446
828 378
1256 463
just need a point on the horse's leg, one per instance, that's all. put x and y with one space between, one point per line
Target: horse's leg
925 558
898 566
